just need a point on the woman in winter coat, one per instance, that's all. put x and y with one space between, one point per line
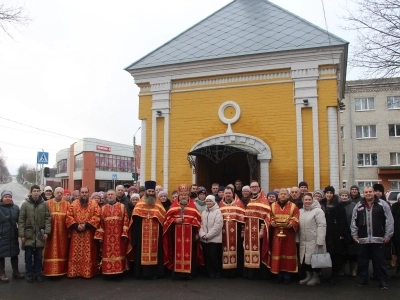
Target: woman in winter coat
396 235
350 254
311 236
9 245
211 237
336 230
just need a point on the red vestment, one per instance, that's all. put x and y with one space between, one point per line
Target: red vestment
152 216
284 251
113 231
179 240
55 259
256 251
82 260
233 215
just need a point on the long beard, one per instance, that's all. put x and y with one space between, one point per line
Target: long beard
84 201
149 200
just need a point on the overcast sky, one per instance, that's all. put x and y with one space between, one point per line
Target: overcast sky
64 71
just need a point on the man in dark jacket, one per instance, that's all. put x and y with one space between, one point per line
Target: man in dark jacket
355 194
372 227
34 226
121 197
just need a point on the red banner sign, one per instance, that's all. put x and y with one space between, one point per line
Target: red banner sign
103 148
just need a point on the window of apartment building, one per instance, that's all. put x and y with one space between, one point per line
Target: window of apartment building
394 130
367 159
62 166
343 160
393 102
78 162
114 163
366 131
395 158
394 184
342 132
365 104
363 184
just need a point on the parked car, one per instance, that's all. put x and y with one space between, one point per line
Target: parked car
391 196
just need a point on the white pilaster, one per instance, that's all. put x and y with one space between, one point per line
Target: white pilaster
264 172
333 147
161 94
143 153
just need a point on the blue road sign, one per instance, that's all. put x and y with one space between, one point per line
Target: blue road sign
114 177
42 158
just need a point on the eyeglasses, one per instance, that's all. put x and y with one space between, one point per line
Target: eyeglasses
254 186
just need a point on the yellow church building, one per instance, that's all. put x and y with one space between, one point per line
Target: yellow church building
252 92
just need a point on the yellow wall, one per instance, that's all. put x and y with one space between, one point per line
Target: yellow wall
267 112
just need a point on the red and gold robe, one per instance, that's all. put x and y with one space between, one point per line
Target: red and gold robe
179 240
256 251
284 251
113 231
233 215
55 259
83 260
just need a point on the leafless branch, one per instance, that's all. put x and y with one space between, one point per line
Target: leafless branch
12 18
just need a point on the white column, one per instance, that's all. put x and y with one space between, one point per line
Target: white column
143 153
299 134
264 172
333 142
317 169
166 151
153 144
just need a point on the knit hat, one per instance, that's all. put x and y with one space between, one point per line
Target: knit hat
321 192
329 188
211 197
246 188
67 192
132 189
135 195
221 188
273 193
379 187
355 187
201 190
95 194
48 188
344 191
4 193
303 183
162 193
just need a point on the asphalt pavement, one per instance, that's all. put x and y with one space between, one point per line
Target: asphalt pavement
200 288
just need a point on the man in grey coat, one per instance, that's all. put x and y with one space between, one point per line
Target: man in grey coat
34 226
372 227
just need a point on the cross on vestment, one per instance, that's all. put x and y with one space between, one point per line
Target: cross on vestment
148 216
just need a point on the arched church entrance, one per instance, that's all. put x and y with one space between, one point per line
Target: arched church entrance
224 165
226 157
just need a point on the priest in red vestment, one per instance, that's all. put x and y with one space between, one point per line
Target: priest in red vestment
232 210
113 235
256 234
182 252
285 223
146 229
55 259
82 220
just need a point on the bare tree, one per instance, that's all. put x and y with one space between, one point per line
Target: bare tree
12 17
377 24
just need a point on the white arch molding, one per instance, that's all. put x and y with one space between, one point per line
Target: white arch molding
251 144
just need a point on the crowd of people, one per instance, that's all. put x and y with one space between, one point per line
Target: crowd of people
234 230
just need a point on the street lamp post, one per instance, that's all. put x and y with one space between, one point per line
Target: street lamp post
134 157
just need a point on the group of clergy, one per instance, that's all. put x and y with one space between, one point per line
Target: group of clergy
87 239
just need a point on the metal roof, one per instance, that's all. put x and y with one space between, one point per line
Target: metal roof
243 27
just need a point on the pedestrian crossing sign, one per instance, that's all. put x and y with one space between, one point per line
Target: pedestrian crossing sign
42 158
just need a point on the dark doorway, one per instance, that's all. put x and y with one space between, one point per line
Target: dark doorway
224 165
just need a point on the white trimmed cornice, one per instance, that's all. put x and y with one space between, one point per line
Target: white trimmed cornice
242 64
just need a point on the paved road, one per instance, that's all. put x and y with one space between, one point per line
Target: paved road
200 288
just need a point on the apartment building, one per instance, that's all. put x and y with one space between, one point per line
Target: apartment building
370 133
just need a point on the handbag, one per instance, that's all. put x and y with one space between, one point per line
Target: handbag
321 260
